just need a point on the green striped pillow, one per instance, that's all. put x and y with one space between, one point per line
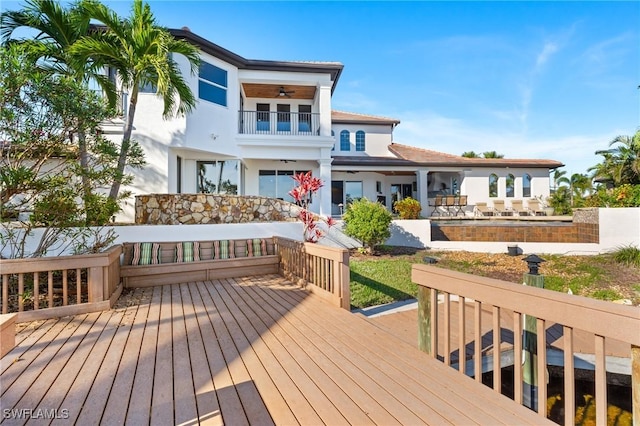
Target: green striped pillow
224 249
256 247
187 251
146 254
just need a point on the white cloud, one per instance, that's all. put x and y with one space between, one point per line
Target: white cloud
547 51
354 102
430 130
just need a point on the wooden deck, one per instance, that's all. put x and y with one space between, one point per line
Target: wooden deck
236 351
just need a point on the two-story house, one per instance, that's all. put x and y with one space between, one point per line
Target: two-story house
258 122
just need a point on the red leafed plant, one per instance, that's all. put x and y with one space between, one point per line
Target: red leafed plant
307 186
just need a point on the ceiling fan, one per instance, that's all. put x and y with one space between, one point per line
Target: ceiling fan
285 93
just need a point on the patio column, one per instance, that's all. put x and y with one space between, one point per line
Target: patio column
423 191
324 107
325 191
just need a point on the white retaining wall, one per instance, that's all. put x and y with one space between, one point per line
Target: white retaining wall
618 227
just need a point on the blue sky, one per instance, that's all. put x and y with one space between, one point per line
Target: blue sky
556 80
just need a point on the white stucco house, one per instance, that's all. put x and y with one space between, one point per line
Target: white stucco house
259 121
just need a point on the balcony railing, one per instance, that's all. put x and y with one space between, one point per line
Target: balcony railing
279 123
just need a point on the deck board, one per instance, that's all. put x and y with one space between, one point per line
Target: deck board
255 350
139 405
75 397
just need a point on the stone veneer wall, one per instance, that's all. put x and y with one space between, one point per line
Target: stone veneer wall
187 209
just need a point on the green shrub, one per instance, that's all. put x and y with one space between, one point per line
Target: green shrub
367 222
621 196
561 201
408 208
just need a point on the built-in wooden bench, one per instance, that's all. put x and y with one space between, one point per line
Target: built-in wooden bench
7 333
246 261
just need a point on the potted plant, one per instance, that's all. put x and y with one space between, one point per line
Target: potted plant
545 205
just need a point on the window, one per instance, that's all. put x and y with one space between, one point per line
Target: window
218 177
378 186
212 85
277 183
360 140
510 185
179 174
345 144
284 117
526 185
263 117
147 87
267 183
333 135
353 191
493 185
304 118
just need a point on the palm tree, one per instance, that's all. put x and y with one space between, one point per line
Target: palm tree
559 178
58 29
621 164
141 52
579 186
492 154
470 154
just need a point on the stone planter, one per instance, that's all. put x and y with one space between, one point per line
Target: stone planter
548 211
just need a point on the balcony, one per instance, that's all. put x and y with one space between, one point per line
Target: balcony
279 123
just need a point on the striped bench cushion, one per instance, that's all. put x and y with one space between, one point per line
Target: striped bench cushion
188 251
146 254
256 247
224 249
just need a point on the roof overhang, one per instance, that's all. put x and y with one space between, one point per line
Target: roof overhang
332 68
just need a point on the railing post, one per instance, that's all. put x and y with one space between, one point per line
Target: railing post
635 383
343 280
95 286
424 319
530 374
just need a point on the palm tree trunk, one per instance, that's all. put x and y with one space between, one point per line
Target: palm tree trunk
84 160
126 143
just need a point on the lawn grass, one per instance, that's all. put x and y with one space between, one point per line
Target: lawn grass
386 278
375 282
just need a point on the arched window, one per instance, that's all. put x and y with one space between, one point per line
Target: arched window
493 185
345 144
333 135
360 140
526 185
511 180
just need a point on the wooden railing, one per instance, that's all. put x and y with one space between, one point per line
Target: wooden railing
38 288
602 320
322 270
